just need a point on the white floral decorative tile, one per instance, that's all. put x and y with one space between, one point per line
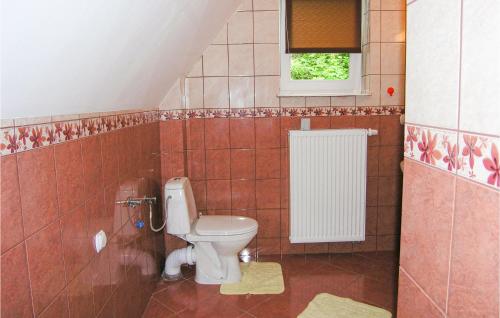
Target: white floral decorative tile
431 146
478 158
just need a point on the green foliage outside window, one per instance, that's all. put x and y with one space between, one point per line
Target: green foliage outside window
320 66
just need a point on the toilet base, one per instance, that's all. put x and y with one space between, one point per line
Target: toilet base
217 259
229 271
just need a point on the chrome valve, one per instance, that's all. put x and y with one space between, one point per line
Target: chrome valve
134 202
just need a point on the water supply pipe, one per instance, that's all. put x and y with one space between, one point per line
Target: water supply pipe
174 261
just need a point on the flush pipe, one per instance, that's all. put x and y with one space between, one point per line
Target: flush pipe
174 261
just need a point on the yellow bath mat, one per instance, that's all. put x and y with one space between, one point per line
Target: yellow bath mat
257 278
330 306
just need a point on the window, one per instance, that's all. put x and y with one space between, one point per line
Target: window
320 57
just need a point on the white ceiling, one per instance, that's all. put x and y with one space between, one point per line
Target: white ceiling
67 57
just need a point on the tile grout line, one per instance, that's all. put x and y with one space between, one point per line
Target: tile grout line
26 257
256 255
402 269
459 102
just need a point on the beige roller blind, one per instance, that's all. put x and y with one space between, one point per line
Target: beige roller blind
323 26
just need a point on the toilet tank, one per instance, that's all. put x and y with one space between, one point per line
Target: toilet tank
179 205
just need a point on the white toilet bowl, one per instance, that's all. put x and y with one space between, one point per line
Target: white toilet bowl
217 239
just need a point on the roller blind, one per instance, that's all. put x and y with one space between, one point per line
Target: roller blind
323 26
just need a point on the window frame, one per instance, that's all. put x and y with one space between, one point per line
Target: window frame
289 87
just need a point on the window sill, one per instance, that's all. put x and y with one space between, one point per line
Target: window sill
299 93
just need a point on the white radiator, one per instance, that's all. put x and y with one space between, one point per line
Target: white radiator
328 185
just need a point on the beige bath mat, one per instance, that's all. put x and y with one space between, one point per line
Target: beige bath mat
257 278
330 306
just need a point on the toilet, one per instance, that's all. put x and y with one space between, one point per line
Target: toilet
216 240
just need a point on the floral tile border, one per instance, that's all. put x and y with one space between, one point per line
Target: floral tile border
472 156
33 133
26 137
478 158
279 112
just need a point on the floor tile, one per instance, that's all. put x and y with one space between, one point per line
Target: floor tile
365 277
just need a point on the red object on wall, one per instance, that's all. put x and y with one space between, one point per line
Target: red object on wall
390 90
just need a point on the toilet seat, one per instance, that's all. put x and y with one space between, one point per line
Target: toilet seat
224 225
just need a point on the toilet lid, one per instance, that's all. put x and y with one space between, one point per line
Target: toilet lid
224 225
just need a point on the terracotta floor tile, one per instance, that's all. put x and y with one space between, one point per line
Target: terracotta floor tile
208 307
156 310
365 277
373 292
185 294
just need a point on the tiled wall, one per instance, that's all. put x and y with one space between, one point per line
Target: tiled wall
451 198
239 166
55 195
233 143
242 66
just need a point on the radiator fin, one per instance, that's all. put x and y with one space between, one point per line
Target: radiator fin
328 185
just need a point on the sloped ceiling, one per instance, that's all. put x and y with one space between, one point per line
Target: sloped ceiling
67 57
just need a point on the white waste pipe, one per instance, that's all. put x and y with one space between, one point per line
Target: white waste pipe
174 261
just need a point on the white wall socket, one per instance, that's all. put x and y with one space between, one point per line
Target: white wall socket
100 241
305 124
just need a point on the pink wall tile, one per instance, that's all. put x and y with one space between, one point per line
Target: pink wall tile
194 92
268 193
269 223
12 228
240 28
389 220
218 194
109 151
266 29
267 132
243 194
37 181
243 163
92 165
369 244
101 279
76 241
268 163
80 294
241 59
265 4
373 161
389 191
64 272
215 61
367 122
69 173
16 296
196 164
216 92
426 228
374 18
267 59
397 82
266 91
475 260
58 308
391 131
393 26
393 58
195 135
46 265
241 92
218 164
389 158
242 133
412 302
217 133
